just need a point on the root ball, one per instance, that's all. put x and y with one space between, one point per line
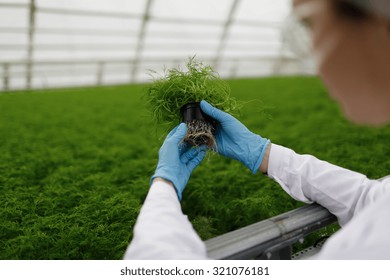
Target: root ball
199 133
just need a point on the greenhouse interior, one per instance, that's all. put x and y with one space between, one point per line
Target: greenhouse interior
80 141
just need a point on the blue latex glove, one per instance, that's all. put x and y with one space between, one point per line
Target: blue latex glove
235 141
177 160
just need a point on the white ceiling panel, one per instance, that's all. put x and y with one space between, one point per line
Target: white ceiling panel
140 34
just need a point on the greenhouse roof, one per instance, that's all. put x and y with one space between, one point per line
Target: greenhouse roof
47 43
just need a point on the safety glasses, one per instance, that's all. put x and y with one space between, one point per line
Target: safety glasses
296 31
377 7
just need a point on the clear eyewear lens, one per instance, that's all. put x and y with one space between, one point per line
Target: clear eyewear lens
296 33
297 37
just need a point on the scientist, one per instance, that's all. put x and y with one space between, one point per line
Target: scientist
351 45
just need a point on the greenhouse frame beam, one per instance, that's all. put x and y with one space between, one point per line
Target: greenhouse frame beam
13 5
100 65
131 60
88 13
110 47
69 31
140 42
139 53
92 13
118 33
5 76
222 40
30 42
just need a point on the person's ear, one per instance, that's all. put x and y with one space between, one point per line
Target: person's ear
388 28
383 27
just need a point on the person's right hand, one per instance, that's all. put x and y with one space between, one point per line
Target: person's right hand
235 141
177 160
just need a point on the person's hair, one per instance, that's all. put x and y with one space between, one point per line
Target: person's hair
350 11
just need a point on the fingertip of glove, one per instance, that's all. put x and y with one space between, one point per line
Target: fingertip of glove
210 110
204 105
181 129
182 126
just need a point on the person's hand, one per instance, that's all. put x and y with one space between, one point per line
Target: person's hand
177 160
235 141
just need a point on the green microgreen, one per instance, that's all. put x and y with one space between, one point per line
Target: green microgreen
177 87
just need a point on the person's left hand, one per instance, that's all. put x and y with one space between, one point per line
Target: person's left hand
177 160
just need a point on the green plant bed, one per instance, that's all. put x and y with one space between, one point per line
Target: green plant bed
75 164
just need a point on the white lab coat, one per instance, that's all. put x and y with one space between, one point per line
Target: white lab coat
361 205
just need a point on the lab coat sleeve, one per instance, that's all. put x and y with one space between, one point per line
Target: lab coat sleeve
306 178
365 237
162 231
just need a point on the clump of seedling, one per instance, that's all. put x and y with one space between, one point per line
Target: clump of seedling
175 97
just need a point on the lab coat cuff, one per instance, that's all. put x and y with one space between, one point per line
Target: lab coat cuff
279 157
160 187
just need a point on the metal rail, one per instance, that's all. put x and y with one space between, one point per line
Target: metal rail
146 59
271 238
13 5
225 32
129 33
128 47
31 45
100 65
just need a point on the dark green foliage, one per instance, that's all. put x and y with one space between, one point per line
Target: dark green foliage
75 165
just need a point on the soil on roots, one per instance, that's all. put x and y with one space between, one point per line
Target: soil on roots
200 132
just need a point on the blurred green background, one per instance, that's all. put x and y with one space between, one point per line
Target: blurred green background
75 164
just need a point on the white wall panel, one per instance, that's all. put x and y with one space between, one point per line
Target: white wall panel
103 40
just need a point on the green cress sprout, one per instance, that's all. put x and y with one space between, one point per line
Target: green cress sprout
167 95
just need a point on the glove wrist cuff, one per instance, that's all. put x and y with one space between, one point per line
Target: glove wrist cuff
259 160
166 179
